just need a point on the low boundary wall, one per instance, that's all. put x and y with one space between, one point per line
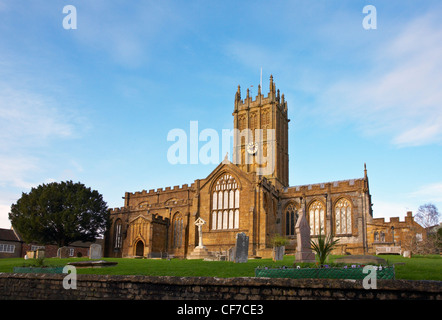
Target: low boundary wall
50 286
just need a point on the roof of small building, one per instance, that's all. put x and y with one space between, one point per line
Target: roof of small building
8 235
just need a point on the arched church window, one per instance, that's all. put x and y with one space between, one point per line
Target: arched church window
291 215
177 230
118 235
317 218
343 217
225 203
376 236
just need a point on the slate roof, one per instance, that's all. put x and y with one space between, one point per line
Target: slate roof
8 235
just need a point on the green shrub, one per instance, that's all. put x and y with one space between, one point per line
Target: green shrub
279 241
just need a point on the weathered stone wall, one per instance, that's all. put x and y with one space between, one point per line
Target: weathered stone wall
395 233
50 286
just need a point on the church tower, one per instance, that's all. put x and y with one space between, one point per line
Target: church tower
261 135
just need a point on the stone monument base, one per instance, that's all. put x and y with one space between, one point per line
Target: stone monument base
361 259
200 253
92 264
305 256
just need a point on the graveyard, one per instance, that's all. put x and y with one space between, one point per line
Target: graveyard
236 262
428 267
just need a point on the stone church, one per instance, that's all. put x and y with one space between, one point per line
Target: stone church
252 195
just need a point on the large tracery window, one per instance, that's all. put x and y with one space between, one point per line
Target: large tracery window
225 204
291 215
317 218
343 217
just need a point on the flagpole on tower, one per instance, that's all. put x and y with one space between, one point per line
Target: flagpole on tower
260 79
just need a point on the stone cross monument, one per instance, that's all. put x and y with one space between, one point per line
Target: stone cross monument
199 223
200 251
304 252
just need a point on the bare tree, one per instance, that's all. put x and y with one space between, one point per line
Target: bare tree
427 215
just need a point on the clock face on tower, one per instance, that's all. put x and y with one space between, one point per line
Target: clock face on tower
252 148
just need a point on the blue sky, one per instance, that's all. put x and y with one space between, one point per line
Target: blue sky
95 104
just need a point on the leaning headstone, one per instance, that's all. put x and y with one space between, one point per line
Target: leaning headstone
231 254
304 252
242 248
63 252
95 251
278 253
40 253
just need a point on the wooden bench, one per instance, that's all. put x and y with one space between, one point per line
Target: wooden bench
388 250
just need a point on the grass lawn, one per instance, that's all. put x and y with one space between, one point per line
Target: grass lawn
416 268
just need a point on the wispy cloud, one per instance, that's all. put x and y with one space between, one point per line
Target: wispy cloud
14 170
429 193
4 220
30 123
132 38
254 55
27 118
401 95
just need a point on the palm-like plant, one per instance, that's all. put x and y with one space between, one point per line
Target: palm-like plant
323 247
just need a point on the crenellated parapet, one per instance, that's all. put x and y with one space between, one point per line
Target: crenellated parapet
356 184
273 97
152 192
121 210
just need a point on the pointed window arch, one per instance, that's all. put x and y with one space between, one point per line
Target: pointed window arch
291 215
376 236
343 216
225 203
317 218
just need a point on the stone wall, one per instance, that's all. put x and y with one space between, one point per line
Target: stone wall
50 286
405 234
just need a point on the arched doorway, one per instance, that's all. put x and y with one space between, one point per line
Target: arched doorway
139 248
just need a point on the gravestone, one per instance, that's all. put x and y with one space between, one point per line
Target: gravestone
242 248
95 251
40 253
304 252
231 254
278 253
63 252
